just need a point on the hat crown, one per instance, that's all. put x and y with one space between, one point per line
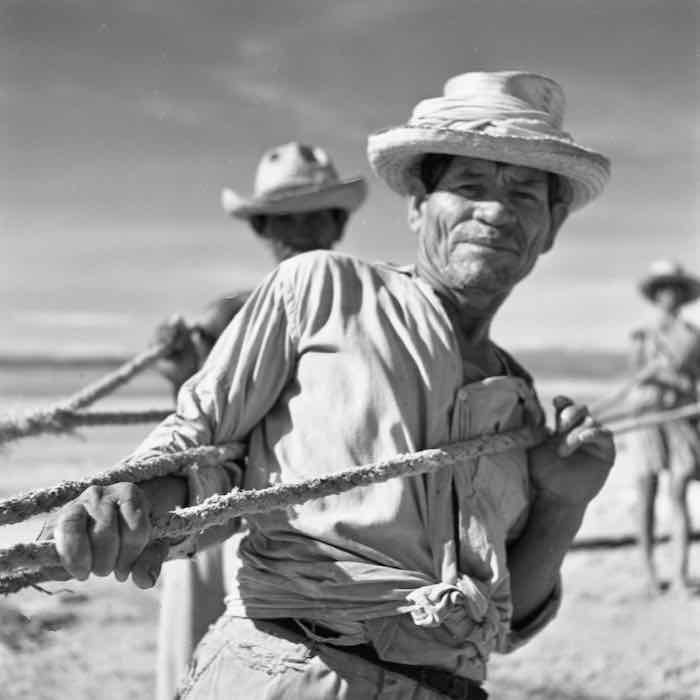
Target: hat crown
666 268
293 165
515 91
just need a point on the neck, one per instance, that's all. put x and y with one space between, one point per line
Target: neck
470 310
282 251
668 315
473 325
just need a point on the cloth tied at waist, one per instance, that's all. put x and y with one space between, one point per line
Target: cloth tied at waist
462 608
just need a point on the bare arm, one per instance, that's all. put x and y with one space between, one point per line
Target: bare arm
567 471
535 559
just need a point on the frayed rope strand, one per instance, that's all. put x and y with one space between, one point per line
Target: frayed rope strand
219 509
626 424
58 421
96 418
25 579
18 508
61 418
110 382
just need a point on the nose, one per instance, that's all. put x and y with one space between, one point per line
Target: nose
495 213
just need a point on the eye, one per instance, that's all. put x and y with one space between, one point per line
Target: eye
470 189
527 195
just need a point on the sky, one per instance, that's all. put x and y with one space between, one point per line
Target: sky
121 122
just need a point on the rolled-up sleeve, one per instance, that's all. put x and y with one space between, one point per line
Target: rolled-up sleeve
240 381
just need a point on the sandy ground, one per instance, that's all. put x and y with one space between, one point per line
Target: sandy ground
97 639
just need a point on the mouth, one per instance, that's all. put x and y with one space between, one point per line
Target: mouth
496 246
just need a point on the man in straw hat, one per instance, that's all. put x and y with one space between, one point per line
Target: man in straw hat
402 588
666 356
299 204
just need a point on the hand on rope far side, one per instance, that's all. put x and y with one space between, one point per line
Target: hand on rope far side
107 529
570 467
190 346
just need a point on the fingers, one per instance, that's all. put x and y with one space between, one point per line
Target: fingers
577 428
568 414
146 568
72 543
174 332
103 529
106 529
134 526
585 429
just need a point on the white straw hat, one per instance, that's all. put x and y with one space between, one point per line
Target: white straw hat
669 272
295 178
509 116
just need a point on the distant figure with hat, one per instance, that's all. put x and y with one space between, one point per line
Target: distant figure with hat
667 356
402 588
299 204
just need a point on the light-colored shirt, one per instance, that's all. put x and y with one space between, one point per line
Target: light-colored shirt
334 363
672 347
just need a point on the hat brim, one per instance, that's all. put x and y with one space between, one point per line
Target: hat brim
395 155
649 285
346 194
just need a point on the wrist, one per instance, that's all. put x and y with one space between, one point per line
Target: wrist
165 493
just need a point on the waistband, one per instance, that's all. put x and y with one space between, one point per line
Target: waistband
450 685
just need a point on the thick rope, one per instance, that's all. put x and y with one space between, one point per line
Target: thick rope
219 509
599 406
651 418
16 582
60 418
18 508
58 421
24 579
90 419
121 375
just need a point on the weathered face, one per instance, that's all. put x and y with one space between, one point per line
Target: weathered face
484 226
290 234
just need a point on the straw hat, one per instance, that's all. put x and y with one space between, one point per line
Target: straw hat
295 178
667 272
510 117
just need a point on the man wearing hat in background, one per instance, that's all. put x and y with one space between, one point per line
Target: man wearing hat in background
666 356
400 589
299 204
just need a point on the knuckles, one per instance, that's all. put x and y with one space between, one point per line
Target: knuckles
104 520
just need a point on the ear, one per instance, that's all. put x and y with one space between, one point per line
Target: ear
416 202
559 211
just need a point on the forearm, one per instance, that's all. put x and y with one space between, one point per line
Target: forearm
535 559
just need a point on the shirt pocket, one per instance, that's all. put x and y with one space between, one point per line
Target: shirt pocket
492 406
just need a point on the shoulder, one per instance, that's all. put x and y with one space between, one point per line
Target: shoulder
220 312
334 270
230 304
326 286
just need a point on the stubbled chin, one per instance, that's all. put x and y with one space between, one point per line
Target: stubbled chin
482 275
